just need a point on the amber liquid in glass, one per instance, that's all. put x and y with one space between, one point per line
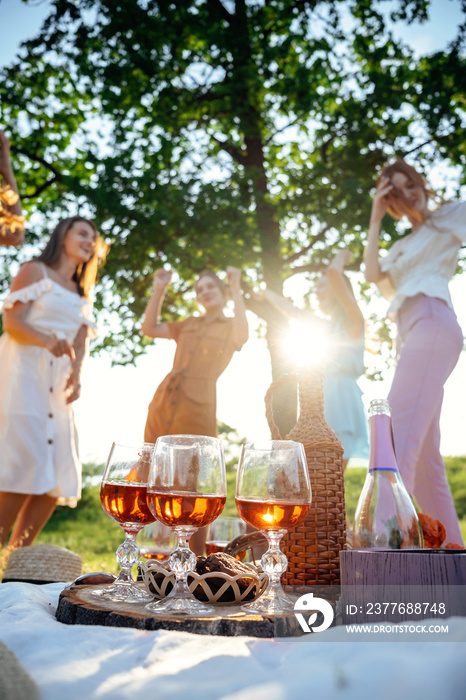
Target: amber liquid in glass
215 547
157 554
195 510
126 502
268 515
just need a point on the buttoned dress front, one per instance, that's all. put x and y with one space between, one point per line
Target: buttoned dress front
185 401
38 439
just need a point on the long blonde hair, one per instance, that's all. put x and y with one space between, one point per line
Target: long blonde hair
86 273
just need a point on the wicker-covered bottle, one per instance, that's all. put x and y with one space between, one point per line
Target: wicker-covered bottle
313 548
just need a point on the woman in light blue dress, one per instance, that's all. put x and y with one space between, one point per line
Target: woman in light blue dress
344 410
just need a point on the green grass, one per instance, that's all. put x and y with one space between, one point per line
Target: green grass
86 530
456 471
89 532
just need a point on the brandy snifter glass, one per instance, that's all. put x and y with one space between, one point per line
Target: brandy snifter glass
123 495
186 491
273 494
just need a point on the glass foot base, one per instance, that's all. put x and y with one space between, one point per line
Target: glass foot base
276 603
123 592
180 606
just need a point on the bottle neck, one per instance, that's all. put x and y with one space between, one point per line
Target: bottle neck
382 451
311 427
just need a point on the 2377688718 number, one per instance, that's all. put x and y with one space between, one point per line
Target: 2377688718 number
397 609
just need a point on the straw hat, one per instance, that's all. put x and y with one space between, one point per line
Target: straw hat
42 563
15 683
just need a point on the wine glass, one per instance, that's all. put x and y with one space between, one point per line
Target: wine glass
186 490
222 531
273 494
123 497
156 541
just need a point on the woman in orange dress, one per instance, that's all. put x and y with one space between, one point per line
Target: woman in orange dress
185 401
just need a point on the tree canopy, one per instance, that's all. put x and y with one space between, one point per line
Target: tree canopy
203 133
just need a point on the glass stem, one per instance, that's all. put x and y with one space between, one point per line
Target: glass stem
127 555
274 562
182 561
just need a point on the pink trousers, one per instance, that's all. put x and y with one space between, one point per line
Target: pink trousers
429 344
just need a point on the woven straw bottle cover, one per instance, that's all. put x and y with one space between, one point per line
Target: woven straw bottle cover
313 548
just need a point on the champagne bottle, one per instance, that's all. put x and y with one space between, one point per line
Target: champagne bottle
385 515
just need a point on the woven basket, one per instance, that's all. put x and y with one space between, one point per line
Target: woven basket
42 563
313 548
215 587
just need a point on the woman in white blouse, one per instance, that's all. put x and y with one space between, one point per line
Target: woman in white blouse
414 276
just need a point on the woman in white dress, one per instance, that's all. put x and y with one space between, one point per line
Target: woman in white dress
414 276
46 322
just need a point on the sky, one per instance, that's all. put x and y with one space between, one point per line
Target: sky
114 400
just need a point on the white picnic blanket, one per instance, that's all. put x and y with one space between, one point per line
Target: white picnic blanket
107 663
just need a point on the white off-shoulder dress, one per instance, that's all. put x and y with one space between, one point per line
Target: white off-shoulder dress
38 439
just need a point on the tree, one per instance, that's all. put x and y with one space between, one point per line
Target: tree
214 132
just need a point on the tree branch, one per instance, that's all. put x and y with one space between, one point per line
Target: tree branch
278 131
42 187
318 267
319 237
40 160
421 145
324 148
222 10
310 267
234 152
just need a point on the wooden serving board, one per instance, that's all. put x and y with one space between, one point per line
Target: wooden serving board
77 606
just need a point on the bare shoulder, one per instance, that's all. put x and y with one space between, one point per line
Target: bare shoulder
29 273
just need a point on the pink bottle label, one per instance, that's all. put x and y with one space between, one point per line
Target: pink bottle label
382 451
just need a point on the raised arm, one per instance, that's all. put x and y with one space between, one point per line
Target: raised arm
240 322
9 235
15 319
151 325
373 273
354 320
284 305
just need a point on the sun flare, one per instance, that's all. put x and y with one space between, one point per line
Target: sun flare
307 344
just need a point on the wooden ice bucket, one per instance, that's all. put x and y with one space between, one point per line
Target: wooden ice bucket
401 584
